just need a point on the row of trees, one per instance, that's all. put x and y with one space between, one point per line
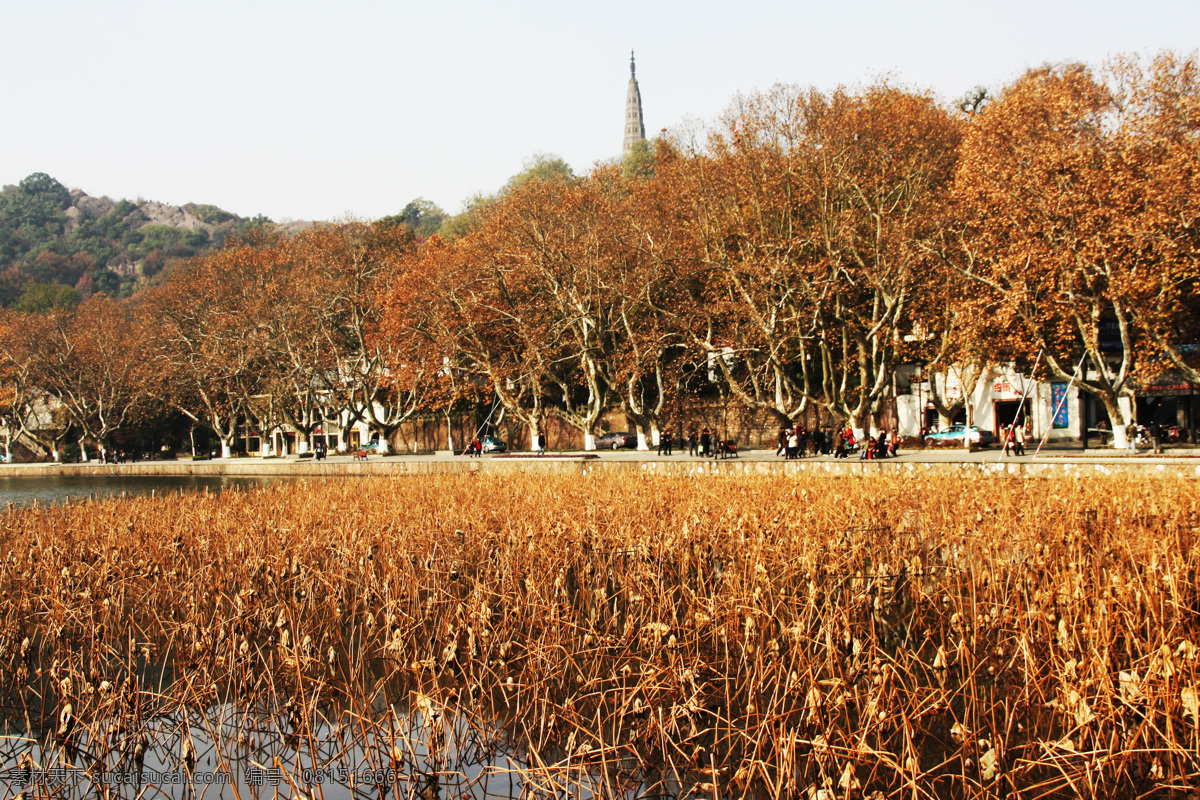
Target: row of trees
794 254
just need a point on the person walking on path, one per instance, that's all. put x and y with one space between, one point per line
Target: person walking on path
692 442
664 444
1019 440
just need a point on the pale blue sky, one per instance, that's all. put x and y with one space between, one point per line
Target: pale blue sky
304 110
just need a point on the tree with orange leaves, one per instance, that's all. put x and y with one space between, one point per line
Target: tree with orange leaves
209 349
10 394
654 354
805 210
1157 160
382 378
30 411
89 363
560 239
1043 200
473 301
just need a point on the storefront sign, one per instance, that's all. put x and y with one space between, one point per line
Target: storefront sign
1168 390
1058 398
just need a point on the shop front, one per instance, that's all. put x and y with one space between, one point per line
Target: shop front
1171 403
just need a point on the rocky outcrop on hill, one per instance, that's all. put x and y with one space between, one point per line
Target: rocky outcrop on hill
49 234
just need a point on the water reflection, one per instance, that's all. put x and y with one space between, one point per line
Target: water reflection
224 753
24 491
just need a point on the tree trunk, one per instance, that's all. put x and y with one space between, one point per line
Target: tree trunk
83 456
1121 415
226 448
534 432
383 443
860 424
589 440
970 407
642 444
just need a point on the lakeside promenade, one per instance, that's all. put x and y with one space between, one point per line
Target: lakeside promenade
1059 461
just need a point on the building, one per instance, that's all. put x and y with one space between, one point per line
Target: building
635 128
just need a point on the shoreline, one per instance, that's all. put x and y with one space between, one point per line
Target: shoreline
755 462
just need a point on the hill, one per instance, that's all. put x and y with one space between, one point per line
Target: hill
73 244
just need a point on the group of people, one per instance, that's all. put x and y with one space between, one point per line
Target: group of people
881 446
703 443
796 442
1014 439
799 442
118 456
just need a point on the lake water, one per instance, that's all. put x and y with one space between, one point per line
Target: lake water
240 755
23 491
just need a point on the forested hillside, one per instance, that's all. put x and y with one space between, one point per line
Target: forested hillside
59 246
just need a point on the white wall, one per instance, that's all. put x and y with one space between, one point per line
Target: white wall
1002 384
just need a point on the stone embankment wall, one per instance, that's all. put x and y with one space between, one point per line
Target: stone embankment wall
427 466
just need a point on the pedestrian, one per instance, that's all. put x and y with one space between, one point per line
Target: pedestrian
841 450
664 444
782 440
692 442
1155 437
793 445
1019 440
706 440
541 444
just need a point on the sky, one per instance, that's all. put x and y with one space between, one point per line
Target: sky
302 110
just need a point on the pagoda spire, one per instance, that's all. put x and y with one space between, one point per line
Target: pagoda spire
635 128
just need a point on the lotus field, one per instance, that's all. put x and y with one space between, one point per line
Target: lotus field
623 635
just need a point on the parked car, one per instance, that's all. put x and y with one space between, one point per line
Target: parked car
615 440
954 433
493 445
